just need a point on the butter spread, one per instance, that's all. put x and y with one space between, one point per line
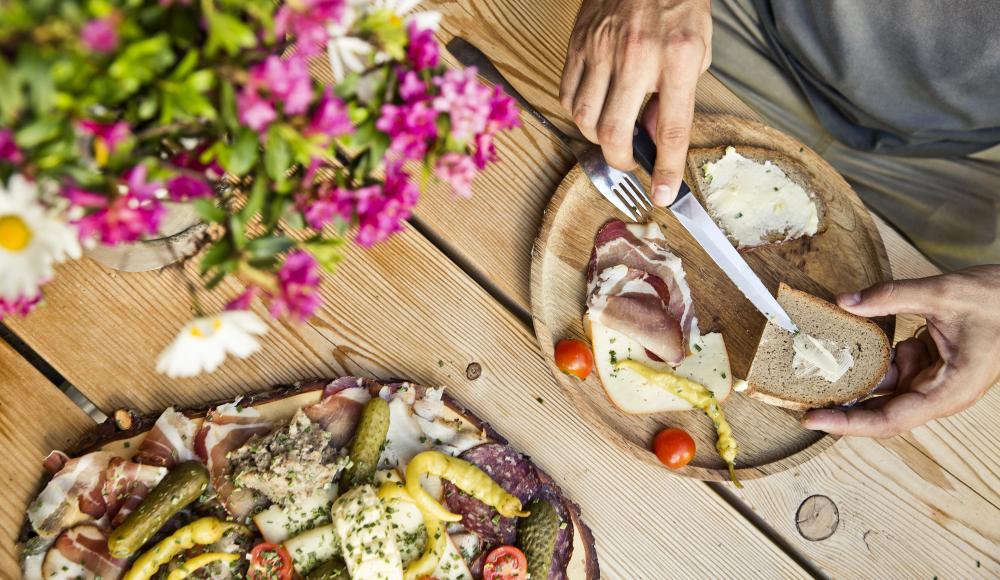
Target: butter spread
754 201
815 357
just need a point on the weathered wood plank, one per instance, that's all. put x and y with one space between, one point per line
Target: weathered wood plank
35 418
403 309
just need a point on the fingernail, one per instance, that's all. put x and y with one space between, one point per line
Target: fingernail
813 420
664 194
849 299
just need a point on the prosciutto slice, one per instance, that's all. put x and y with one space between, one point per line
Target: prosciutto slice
339 410
74 495
169 442
126 485
653 274
226 428
82 552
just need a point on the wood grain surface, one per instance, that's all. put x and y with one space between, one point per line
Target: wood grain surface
35 417
404 309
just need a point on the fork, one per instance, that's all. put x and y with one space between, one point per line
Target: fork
621 188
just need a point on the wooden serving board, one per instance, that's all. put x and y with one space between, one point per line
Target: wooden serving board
847 256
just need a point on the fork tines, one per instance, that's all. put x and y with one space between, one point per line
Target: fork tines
637 204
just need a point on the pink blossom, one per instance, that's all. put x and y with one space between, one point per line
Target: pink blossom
287 80
9 151
126 218
112 134
409 126
457 170
466 100
192 160
331 118
21 306
306 20
503 111
411 86
327 203
255 111
186 187
423 48
298 287
484 152
100 35
385 215
244 300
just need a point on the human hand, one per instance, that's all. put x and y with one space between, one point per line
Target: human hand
622 50
944 369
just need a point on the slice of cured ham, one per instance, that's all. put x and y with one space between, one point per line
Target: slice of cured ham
82 553
169 442
339 410
74 495
126 485
228 427
651 271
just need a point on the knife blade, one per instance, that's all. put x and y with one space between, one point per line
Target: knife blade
690 213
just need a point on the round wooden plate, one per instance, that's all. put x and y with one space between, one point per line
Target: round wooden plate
847 256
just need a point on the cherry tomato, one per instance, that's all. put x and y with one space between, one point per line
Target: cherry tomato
505 563
270 562
573 357
674 447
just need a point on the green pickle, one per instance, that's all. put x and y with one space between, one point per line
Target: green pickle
536 536
181 486
367 445
334 569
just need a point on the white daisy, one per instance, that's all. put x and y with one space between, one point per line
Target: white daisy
202 345
32 240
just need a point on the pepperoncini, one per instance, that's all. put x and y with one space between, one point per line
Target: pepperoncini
203 531
200 561
700 398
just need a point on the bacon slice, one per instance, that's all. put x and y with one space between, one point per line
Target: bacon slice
228 427
74 495
126 485
169 442
82 552
643 248
55 461
339 410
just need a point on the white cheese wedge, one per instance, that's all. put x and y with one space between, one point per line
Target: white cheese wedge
452 565
753 201
366 540
708 364
278 523
407 525
816 357
312 547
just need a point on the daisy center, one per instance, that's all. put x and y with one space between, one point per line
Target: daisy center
206 330
14 233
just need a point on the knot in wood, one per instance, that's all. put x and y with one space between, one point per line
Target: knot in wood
817 518
473 371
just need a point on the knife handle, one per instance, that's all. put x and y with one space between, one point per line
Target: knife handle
644 151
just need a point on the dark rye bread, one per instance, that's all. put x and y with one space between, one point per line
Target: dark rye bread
695 177
771 380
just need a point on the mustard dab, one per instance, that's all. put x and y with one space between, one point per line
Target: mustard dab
700 398
203 531
200 561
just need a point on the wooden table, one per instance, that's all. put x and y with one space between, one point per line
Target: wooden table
452 290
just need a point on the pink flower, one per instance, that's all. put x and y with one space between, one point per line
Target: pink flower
385 215
112 134
9 151
100 35
411 86
255 111
298 281
503 111
457 170
126 218
287 80
485 152
423 48
409 126
244 300
466 100
306 20
186 187
330 118
20 306
320 209
191 159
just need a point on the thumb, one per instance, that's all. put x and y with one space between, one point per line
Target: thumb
918 296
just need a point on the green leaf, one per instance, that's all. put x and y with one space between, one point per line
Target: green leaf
277 154
267 246
215 279
140 63
328 252
227 105
216 255
186 65
37 132
237 227
258 193
242 155
207 209
226 32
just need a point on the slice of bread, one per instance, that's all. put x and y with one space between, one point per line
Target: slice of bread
793 170
772 379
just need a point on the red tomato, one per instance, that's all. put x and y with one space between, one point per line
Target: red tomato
674 447
573 357
270 562
505 563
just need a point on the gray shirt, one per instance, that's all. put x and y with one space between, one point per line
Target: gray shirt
902 77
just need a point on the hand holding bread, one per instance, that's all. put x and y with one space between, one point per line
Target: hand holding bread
942 371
